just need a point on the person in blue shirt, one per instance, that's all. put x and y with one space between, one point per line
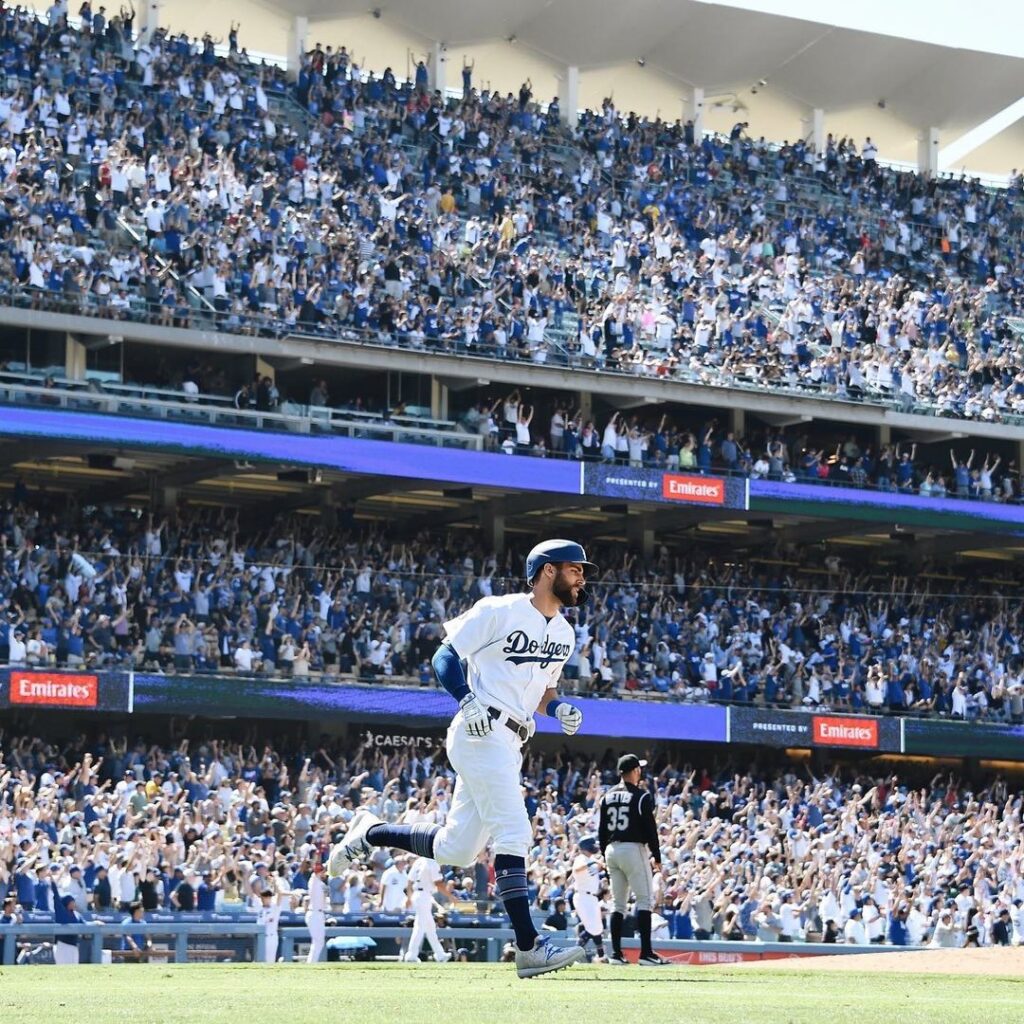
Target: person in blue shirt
136 943
899 934
206 894
65 945
44 896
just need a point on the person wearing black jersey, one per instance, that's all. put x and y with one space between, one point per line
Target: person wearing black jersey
628 837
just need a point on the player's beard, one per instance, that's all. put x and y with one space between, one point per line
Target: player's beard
563 590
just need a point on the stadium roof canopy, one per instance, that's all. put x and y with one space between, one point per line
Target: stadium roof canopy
908 55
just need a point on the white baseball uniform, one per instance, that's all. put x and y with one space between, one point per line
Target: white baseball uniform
269 916
513 654
393 885
65 953
316 920
586 876
424 876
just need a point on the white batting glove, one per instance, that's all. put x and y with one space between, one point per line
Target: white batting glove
475 717
569 717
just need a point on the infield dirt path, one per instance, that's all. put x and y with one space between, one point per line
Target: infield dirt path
999 960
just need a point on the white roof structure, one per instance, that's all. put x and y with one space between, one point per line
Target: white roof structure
893 65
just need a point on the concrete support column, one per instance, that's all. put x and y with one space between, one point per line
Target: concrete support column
438 399
492 524
74 358
585 403
298 44
149 19
883 436
738 421
818 129
928 151
264 369
640 534
438 67
328 508
695 112
163 500
569 95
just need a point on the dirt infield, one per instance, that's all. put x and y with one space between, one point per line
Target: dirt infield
993 962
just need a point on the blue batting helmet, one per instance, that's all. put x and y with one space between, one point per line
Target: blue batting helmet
555 551
588 844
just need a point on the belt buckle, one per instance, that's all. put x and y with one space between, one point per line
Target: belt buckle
523 733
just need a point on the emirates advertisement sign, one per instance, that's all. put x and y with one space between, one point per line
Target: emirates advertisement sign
782 728
37 689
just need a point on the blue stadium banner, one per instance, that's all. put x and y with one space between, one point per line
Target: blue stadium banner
38 689
411 710
673 488
808 728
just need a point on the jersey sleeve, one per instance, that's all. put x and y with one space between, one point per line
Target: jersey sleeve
473 630
650 825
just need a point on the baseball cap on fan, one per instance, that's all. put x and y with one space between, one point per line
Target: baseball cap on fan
630 761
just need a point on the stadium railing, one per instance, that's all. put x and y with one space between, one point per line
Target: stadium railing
35 389
216 410
96 937
196 317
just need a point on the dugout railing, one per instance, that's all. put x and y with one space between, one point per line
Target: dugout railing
95 937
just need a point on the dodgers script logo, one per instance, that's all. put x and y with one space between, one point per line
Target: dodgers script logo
524 651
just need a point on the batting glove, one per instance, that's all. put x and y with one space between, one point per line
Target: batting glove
475 717
569 717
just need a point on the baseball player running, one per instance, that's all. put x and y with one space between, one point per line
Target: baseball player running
586 882
425 879
514 648
628 836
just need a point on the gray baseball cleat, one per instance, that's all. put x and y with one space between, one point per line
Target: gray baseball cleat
354 846
545 957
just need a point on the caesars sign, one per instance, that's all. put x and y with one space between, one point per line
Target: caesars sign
53 690
371 737
798 729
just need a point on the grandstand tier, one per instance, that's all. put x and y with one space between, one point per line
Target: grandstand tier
294 370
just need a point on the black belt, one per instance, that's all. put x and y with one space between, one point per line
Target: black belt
522 731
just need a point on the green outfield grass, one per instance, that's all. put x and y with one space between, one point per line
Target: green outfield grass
491 994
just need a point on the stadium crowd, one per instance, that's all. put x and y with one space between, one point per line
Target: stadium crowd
350 203
211 824
196 593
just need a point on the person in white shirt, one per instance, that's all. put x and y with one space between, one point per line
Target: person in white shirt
393 885
586 880
271 904
316 909
854 933
425 879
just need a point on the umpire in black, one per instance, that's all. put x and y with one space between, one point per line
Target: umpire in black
628 836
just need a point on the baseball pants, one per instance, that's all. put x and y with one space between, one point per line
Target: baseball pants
423 927
65 953
487 802
316 924
629 867
588 910
270 948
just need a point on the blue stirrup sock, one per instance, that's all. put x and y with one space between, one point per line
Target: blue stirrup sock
510 873
417 839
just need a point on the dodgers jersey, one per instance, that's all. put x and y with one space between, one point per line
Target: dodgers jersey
424 875
513 653
586 876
